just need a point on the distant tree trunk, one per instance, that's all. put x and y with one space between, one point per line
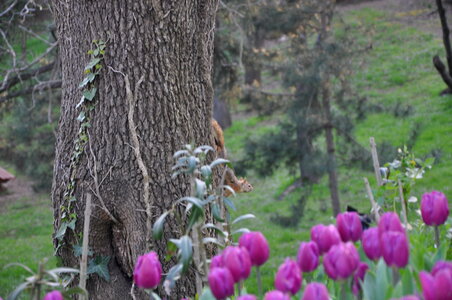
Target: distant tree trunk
446 73
252 64
170 44
221 113
331 163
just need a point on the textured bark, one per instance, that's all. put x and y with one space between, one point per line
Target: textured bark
170 43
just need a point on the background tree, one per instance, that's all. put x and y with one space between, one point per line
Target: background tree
164 50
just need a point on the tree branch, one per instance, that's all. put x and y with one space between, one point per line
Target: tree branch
446 40
25 76
441 68
53 84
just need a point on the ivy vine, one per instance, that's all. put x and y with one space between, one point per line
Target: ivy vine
87 104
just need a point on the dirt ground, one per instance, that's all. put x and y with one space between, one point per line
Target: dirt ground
16 189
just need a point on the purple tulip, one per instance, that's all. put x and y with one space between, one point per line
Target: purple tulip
359 277
257 247
216 262
349 226
325 237
315 291
371 243
389 222
247 297
434 208
441 265
276 295
308 256
148 271
395 249
408 297
237 260
341 261
436 287
53 295
288 277
221 283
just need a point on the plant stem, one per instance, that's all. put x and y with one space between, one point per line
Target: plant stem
395 275
344 290
259 282
437 236
239 287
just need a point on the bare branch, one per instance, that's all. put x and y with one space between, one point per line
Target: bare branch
8 9
35 35
25 76
52 84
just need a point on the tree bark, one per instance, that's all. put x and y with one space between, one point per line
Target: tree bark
446 39
170 44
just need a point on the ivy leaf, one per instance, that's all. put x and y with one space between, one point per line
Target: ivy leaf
89 94
61 231
78 249
92 63
89 78
81 116
82 100
99 266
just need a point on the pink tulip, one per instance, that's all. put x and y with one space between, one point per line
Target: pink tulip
441 265
308 256
216 262
276 295
341 261
288 277
349 226
358 277
247 297
315 291
221 283
395 249
437 287
371 243
257 247
434 208
148 271
325 237
389 222
237 260
53 295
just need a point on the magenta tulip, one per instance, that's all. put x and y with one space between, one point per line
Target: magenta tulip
371 243
237 260
216 262
148 271
341 261
257 247
221 283
325 237
315 291
53 295
288 277
276 295
247 297
441 265
437 287
395 249
349 226
358 277
434 208
308 256
389 222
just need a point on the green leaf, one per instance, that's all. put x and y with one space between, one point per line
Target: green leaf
82 100
192 163
368 286
180 152
61 231
195 215
218 161
216 212
155 296
206 172
81 116
229 203
203 149
89 78
186 251
92 63
89 94
173 276
193 200
243 217
74 291
99 266
381 280
407 282
78 249
241 230
212 240
157 228
207 294
71 225
215 228
17 291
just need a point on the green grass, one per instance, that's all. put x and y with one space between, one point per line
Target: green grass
397 69
25 237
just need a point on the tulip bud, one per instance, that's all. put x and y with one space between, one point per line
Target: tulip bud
359 277
54 295
349 226
288 277
315 291
371 243
221 283
434 208
237 260
148 271
257 247
395 249
341 261
308 256
216 262
441 265
247 297
325 237
389 222
276 295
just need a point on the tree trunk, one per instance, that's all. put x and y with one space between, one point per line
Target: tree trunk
252 61
170 44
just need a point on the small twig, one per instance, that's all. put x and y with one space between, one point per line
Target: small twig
84 261
8 9
132 293
376 163
402 202
375 206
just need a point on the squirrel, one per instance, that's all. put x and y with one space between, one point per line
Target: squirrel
239 185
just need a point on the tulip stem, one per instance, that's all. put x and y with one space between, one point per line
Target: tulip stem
395 275
344 290
239 287
437 236
259 281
